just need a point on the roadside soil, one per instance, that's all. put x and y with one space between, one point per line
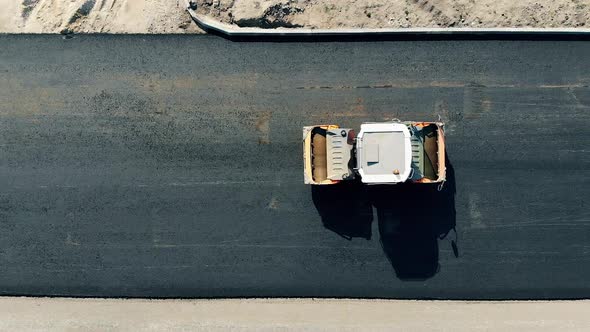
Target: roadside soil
400 13
96 16
170 16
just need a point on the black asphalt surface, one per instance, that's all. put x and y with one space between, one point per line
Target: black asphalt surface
171 166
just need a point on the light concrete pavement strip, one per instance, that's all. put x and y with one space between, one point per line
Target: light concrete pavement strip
61 314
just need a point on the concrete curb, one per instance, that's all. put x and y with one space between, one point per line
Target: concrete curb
211 25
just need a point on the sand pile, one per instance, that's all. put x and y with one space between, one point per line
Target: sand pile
108 16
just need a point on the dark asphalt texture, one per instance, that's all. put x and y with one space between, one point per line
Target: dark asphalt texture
171 166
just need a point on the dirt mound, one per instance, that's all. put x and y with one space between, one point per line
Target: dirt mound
275 15
108 16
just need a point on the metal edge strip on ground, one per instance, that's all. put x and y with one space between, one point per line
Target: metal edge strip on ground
212 25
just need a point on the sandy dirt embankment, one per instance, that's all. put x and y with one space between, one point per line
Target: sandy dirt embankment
400 13
96 16
169 16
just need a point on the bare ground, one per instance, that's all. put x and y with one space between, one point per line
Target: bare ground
169 16
100 16
400 13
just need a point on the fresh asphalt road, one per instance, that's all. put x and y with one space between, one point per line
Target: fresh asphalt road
171 166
